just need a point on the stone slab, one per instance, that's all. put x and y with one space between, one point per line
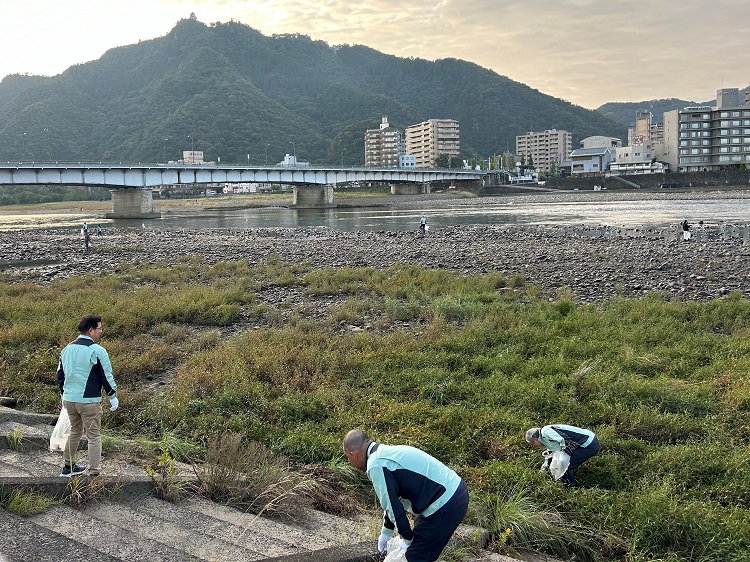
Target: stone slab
24 541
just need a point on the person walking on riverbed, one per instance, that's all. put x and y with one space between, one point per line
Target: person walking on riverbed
423 225
685 230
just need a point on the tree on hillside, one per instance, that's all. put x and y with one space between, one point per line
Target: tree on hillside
448 162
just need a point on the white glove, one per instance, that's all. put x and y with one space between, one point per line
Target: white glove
403 544
383 542
113 403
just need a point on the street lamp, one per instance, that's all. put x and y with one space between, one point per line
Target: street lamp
164 150
23 148
192 149
267 145
294 152
342 157
248 160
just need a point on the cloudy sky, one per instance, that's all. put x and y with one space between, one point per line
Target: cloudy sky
588 52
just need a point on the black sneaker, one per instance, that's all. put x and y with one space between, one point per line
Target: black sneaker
68 471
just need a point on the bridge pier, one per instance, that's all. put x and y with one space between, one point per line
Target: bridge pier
410 188
313 196
132 203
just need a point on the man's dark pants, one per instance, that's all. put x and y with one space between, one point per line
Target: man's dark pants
432 533
577 456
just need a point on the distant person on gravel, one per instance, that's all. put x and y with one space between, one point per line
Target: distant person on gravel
685 231
406 479
83 372
423 225
580 444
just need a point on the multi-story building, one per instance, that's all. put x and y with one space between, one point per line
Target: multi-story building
600 142
383 146
429 139
547 149
640 133
704 138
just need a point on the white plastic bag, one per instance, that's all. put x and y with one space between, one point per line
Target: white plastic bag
60 433
559 464
395 553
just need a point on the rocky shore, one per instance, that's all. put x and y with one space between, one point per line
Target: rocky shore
595 263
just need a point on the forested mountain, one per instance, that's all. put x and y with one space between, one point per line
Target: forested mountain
624 112
230 91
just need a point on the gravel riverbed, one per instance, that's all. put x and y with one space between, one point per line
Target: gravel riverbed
596 263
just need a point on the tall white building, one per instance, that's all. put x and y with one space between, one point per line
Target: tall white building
429 139
383 146
704 138
547 149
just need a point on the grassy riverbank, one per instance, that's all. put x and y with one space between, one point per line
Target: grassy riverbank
457 365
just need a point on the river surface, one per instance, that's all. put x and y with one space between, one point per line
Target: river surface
730 214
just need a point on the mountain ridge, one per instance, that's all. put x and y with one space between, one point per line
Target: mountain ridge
241 96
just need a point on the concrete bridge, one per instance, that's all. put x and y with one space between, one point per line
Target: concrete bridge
132 184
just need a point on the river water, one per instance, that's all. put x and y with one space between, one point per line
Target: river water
729 214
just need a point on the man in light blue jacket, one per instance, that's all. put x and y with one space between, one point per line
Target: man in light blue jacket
580 444
83 372
407 479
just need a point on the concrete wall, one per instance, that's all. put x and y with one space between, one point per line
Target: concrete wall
653 181
132 203
313 196
409 188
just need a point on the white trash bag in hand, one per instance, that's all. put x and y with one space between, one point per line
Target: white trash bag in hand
395 551
559 464
60 433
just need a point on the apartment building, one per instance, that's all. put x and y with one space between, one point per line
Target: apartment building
705 138
547 149
428 139
383 146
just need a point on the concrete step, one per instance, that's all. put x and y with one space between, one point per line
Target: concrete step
196 543
113 540
330 532
24 541
246 531
32 436
45 464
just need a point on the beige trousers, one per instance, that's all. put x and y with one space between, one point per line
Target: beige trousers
84 417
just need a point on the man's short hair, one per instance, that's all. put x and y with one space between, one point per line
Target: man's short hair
88 322
355 440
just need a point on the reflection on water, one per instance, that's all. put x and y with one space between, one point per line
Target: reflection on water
726 217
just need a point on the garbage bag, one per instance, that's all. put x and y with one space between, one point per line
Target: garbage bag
395 552
60 433
559 464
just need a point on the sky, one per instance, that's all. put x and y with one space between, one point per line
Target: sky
587 52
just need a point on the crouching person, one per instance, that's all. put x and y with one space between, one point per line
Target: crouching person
580 444
408 479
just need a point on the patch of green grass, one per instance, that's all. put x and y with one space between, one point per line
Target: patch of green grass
25 502
15 439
